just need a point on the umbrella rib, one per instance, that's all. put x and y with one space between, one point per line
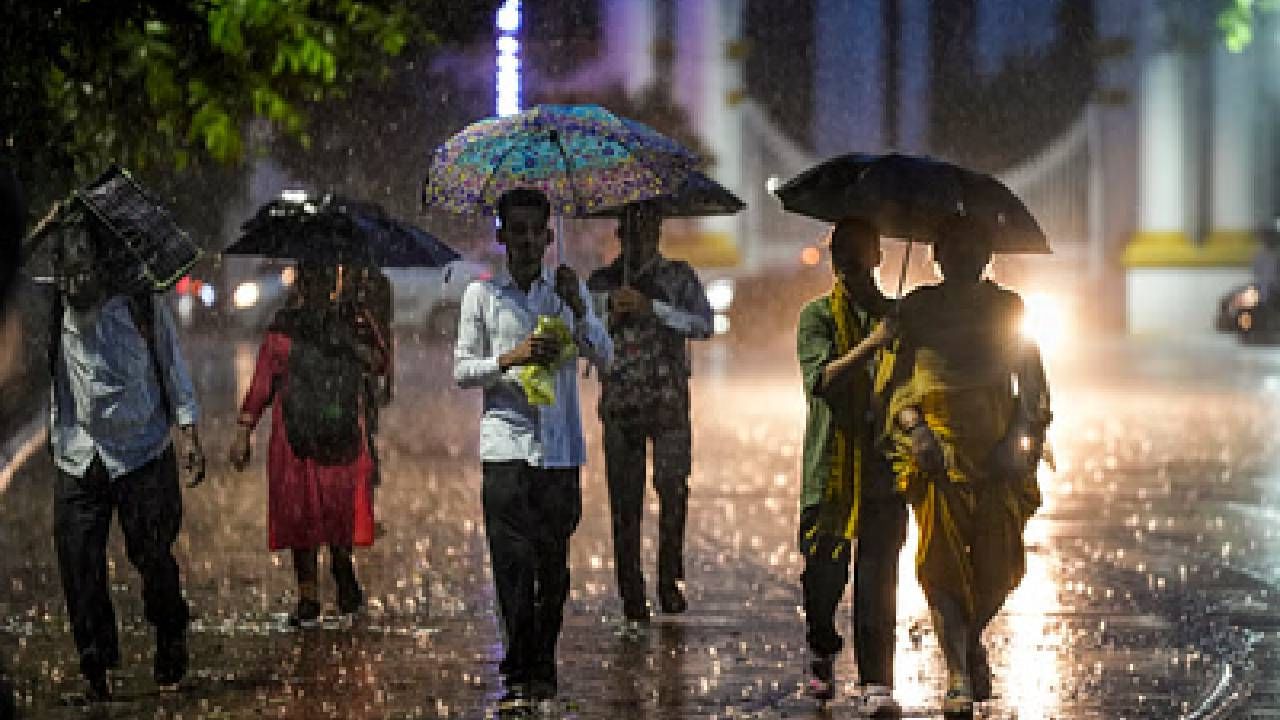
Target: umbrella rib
568 169
496 168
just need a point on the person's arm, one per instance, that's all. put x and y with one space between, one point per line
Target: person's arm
858 357
474 363
691 315
182 394
176 374
590 333
815 348
270 365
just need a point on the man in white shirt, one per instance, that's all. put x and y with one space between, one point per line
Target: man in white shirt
530 454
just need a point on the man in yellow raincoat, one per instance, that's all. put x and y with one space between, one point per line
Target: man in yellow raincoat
848 484
966 446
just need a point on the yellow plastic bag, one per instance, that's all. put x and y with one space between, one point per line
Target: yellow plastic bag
539 381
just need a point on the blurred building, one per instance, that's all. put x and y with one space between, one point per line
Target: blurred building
1144 146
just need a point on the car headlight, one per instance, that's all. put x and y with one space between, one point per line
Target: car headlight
246 295
1045 320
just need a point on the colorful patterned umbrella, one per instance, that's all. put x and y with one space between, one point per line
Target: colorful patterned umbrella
583 157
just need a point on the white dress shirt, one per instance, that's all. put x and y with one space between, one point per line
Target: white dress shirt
496 316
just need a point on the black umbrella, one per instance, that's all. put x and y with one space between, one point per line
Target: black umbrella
336 230
697 196
910 197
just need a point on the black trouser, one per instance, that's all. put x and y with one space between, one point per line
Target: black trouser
529 515
882 530
149 503
624 453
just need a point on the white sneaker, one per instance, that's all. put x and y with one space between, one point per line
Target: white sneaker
877 701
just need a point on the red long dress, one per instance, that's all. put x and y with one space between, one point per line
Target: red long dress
308 505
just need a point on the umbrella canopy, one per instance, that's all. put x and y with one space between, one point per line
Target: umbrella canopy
336 230
697 196
910 197
582 156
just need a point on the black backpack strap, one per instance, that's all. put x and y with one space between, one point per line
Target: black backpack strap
143 310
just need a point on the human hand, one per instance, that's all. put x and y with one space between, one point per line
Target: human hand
240 449
926 451
193 462
884 332
533 350
629 301
568 288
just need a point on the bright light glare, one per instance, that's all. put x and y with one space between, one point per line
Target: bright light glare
246 295
1045 321
720 294
287 275
509 16
720 323
507 62
293 196
772 184
207 295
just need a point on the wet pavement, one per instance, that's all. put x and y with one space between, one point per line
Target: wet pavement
1151 589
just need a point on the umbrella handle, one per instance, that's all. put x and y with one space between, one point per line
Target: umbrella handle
902 276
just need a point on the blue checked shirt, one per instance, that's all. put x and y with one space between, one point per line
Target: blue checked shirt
106 398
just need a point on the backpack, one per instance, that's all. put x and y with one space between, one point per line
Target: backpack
321 399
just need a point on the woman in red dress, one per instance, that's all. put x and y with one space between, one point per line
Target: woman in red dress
315 498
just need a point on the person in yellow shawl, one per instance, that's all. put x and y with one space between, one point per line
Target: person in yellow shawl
848 483
967 409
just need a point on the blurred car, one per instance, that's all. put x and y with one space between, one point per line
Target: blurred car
428 300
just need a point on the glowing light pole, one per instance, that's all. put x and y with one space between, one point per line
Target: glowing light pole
508 61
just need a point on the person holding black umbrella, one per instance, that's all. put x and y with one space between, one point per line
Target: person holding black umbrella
848 488
312 367
655 305
966 446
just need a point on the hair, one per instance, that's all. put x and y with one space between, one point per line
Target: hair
856 228
523 197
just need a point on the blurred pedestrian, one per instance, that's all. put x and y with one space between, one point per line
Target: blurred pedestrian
967 447
13 219
530 454
848 490
373 299
655 305
311 368
119 384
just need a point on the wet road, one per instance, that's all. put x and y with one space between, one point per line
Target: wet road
1151 590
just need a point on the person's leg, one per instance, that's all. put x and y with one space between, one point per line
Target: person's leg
81 522
882 530
624 455
672 463
149 502
556 504
509 529
954 625
822 583
342 565
307 575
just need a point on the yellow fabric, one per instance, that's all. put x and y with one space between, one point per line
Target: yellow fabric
954 361
838 516
539 381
